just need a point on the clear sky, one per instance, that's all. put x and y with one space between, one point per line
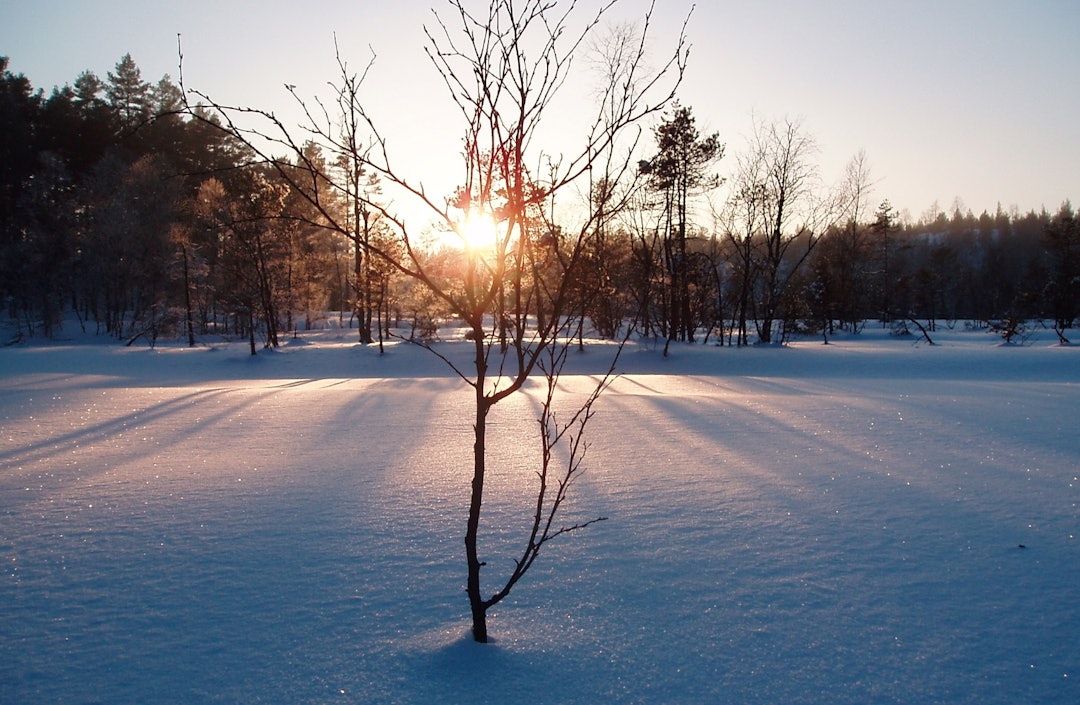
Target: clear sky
975 100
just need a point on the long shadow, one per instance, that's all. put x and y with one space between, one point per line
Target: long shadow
99 432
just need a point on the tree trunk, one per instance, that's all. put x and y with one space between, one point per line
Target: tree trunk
476 500
187 302
251 329
363 297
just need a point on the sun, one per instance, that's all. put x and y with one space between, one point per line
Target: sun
478 231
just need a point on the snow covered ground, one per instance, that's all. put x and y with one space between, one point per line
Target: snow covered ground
871 521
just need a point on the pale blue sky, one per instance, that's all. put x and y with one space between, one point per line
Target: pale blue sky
969 99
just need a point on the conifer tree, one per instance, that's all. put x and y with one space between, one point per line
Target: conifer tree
128 95
680 168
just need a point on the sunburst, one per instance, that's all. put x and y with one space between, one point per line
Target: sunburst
478 231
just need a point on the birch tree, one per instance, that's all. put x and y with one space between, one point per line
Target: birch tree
779 211
505 66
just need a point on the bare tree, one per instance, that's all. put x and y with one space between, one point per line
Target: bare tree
842 263
780 211
503 68
741 220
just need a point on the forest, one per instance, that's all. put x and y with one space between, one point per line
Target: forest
140 216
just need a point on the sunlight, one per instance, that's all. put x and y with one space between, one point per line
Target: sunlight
478 230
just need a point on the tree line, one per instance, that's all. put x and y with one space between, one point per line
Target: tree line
145 216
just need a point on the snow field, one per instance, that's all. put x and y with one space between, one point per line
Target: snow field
817 524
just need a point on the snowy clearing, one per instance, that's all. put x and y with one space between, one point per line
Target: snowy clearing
868 521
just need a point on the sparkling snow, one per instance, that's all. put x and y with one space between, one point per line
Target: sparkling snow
872 521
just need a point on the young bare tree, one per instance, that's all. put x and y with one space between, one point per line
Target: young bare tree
505 66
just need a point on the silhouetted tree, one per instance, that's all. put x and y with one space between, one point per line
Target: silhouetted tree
842 262
883 228
1063 244
128 95
503 70
679 169
19 107
777 212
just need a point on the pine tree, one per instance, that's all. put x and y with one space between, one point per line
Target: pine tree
680 167
128 95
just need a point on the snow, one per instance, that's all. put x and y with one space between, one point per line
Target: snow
870 521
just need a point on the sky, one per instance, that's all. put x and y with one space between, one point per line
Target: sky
954 102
